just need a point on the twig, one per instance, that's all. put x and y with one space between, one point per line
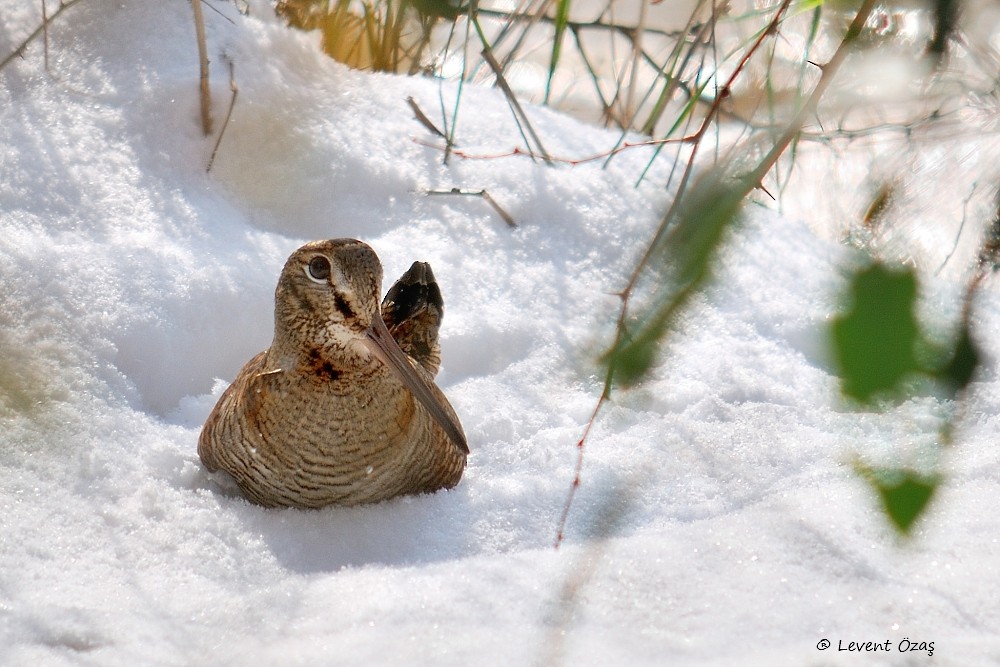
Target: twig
514 152
605 395
229 114
424 120
507 217
500 211
674 83
536 11
626 30
606 112
515 106
961 227
216 10
206 93
38 31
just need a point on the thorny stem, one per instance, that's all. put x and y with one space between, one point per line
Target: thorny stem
824 137
43 28
751 181
514 152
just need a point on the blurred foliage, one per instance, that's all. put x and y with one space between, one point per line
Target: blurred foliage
685 256
877 343
989 253
876 338
945 18
378 35
962 365
904 494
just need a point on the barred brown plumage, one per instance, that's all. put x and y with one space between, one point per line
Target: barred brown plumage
340 409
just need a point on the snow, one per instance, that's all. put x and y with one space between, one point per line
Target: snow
719 521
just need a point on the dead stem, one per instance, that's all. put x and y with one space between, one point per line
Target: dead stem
424 120
205 91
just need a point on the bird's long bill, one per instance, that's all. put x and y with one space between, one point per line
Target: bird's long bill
382 345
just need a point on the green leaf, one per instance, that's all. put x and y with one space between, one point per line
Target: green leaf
632 359
710 208
959 370
904 494
875 340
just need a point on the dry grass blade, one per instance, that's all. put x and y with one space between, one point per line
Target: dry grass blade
522 119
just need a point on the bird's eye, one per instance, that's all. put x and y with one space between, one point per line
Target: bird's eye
318 269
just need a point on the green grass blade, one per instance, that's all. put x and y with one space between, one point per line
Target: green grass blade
562 17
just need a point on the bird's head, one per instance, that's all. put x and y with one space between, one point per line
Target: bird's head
327 299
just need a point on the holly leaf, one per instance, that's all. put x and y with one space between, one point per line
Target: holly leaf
904 494
958 372
875 340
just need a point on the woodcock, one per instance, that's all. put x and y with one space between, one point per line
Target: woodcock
342 408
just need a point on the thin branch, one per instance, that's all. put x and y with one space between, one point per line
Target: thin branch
696 140
961 227
606 112
507 217
499 209
515 152
229 114
626 30
216 10
605 395
43 28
